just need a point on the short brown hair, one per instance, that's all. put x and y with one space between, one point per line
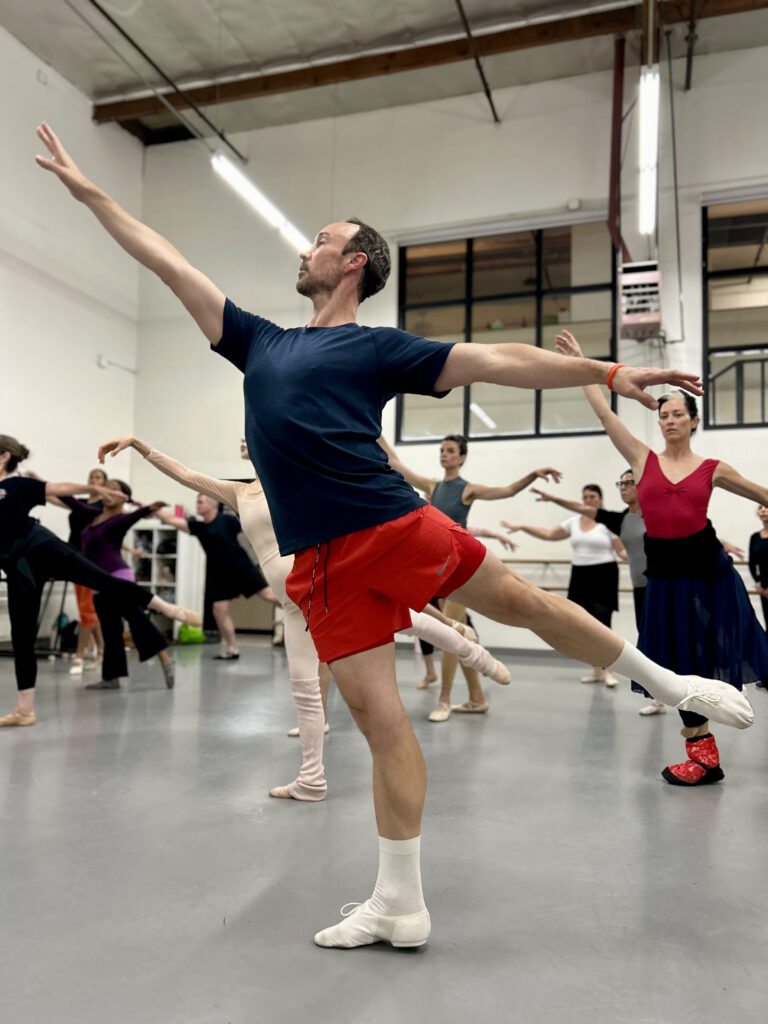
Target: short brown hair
379 262
15 449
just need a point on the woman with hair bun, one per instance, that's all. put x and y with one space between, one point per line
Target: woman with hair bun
30 555
697 616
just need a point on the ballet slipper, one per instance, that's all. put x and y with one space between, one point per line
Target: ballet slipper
464 630
471 707
298 791
425 682
18 717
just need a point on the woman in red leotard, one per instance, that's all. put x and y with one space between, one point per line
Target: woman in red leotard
697 616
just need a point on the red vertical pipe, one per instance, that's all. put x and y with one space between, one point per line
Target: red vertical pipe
614 191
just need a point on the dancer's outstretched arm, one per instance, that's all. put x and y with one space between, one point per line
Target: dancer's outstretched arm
572 506
198 294
542 532
624 441
482 492
525 366
729 479
426 484
220 490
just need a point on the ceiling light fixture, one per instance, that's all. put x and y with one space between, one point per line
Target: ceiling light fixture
648 103
255 198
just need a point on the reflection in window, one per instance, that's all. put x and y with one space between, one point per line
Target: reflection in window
518 287
736 330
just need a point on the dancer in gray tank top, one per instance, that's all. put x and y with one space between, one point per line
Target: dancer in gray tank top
453 496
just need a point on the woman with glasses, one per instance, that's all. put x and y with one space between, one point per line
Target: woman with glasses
594 582
629 527
697 615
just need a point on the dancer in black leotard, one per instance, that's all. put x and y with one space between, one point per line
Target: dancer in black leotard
229 572
30 555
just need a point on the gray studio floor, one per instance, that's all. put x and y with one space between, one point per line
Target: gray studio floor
149 879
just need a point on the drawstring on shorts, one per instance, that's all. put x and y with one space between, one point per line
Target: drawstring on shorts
325 580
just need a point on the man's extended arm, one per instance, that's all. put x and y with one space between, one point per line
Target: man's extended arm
526 366
199 295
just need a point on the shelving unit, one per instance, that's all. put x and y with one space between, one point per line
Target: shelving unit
170 567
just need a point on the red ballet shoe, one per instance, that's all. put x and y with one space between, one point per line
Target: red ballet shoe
703 766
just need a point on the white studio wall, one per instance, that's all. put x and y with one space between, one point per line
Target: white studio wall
411 170
67 294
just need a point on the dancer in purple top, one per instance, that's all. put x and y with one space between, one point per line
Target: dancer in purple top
102 539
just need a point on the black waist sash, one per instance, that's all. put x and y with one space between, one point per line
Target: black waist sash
699 556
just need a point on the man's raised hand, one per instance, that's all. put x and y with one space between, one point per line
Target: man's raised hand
60 162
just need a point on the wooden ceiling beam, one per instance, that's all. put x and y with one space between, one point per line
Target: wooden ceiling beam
416 58
585 26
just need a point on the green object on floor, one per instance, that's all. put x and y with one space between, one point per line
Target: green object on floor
191 634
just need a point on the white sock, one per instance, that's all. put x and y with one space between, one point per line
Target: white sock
398 885
661 683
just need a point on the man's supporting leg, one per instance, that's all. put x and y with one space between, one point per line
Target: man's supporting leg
225 626
395 912
506 597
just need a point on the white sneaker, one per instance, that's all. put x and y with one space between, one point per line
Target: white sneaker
653 707
362 927
441 713
719 702
76 668
295 730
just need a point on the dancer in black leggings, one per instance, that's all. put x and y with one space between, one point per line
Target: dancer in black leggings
30 555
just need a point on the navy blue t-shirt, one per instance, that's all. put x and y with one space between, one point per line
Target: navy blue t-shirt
313 402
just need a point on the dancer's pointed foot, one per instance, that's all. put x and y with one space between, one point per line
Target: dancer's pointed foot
18 717
175 611
719 702
362 927
426 681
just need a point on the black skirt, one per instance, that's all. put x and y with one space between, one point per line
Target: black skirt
595 588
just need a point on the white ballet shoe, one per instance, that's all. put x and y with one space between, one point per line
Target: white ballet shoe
653 707
298 791
441 713
362 927
719 702
76 668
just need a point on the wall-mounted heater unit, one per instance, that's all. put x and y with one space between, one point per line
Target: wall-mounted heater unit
640 285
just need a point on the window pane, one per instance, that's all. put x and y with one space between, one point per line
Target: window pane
587 317
497 410
435 273
737 388
576 255
424 416
503 264
738 235
504 321
441 323
430 418
738 311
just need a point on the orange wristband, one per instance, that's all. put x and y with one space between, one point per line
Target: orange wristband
611 374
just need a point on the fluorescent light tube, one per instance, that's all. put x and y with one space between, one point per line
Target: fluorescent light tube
481 414
648 149
246 189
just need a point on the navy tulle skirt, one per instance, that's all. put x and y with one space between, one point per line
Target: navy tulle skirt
704 625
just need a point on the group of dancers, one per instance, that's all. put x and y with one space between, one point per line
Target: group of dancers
359 548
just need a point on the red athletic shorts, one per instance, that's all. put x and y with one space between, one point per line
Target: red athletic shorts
357 591
88 616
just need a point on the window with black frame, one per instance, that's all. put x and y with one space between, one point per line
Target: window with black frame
735 243
519 287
